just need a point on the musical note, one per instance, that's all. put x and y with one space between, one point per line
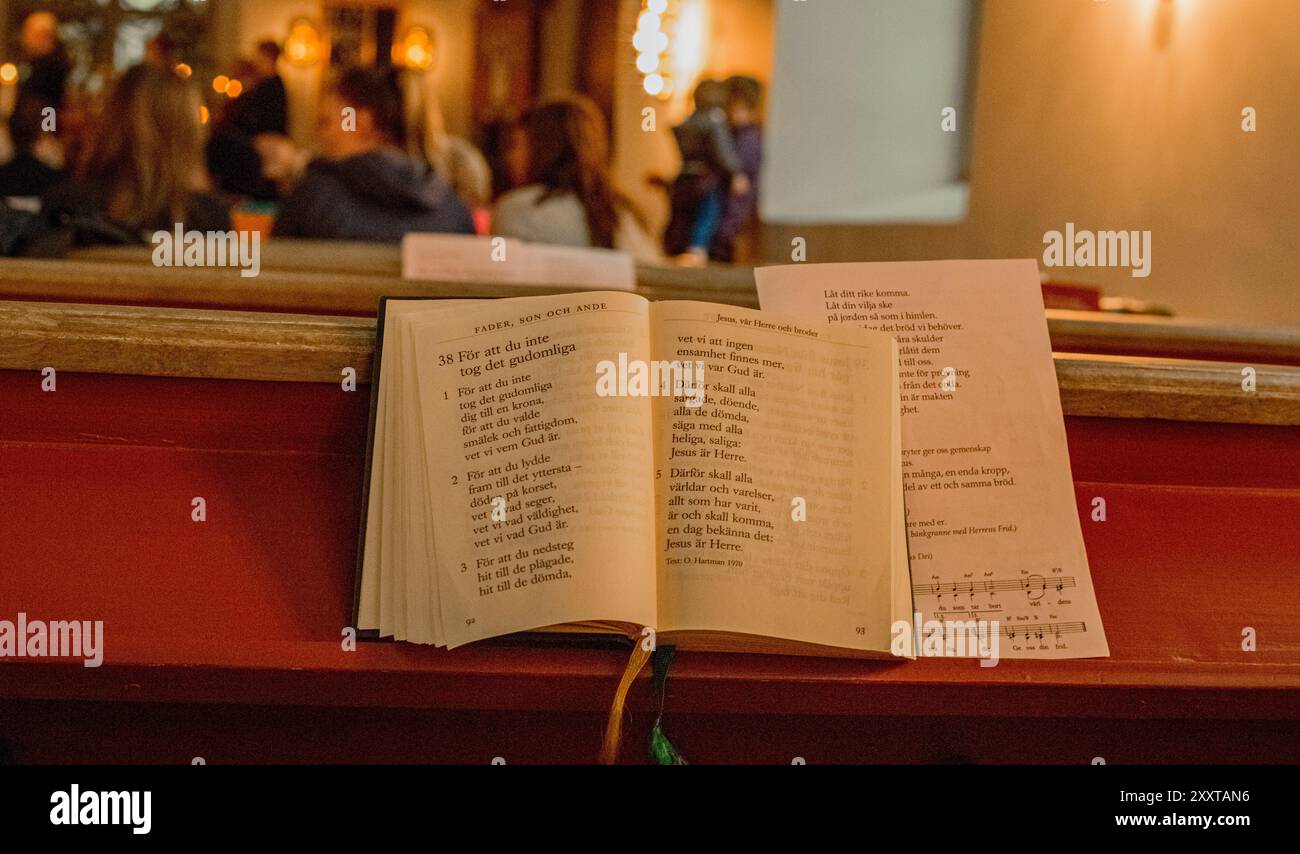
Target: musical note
1039 630
1031 585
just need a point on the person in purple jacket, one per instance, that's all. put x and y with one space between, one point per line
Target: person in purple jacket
744 95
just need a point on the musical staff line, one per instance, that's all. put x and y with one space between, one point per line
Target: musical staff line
1033 584
1041 630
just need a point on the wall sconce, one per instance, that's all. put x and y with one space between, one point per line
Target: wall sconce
416 50
1164 28
303 46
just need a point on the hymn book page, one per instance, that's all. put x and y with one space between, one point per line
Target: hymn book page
992 520
541 489
778 498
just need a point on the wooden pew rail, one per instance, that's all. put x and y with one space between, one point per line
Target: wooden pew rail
1202 481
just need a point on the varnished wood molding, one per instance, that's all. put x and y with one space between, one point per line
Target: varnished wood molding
310 348
349 278
1173 338
347 289
172 342
1176 390
380 259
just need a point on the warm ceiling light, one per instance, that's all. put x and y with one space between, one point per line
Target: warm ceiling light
415 50
235 89
303 46
8 72
183 71
220 83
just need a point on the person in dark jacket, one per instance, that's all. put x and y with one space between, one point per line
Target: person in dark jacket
710 170
45 60
263 108
26 175
744 98
365 186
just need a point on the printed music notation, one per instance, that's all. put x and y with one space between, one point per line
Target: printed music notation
1042 630
1033 585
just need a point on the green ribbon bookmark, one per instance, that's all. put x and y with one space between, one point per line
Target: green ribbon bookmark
662 751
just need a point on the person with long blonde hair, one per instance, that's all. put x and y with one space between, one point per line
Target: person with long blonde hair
140 166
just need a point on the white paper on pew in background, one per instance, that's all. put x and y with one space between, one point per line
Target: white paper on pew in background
464 258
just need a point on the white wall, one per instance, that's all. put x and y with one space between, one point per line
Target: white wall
1127 114
853 128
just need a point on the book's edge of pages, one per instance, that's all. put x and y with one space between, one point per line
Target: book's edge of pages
702 641
903 603
734 642
368 464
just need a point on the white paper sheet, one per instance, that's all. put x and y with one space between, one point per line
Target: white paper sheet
500 260
993 527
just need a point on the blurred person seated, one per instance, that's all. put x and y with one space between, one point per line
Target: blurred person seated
570 198
140 168
744 97
365 186
711 170
454 158
28 175
505 144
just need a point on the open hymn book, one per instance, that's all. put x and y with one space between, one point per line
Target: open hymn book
528 473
